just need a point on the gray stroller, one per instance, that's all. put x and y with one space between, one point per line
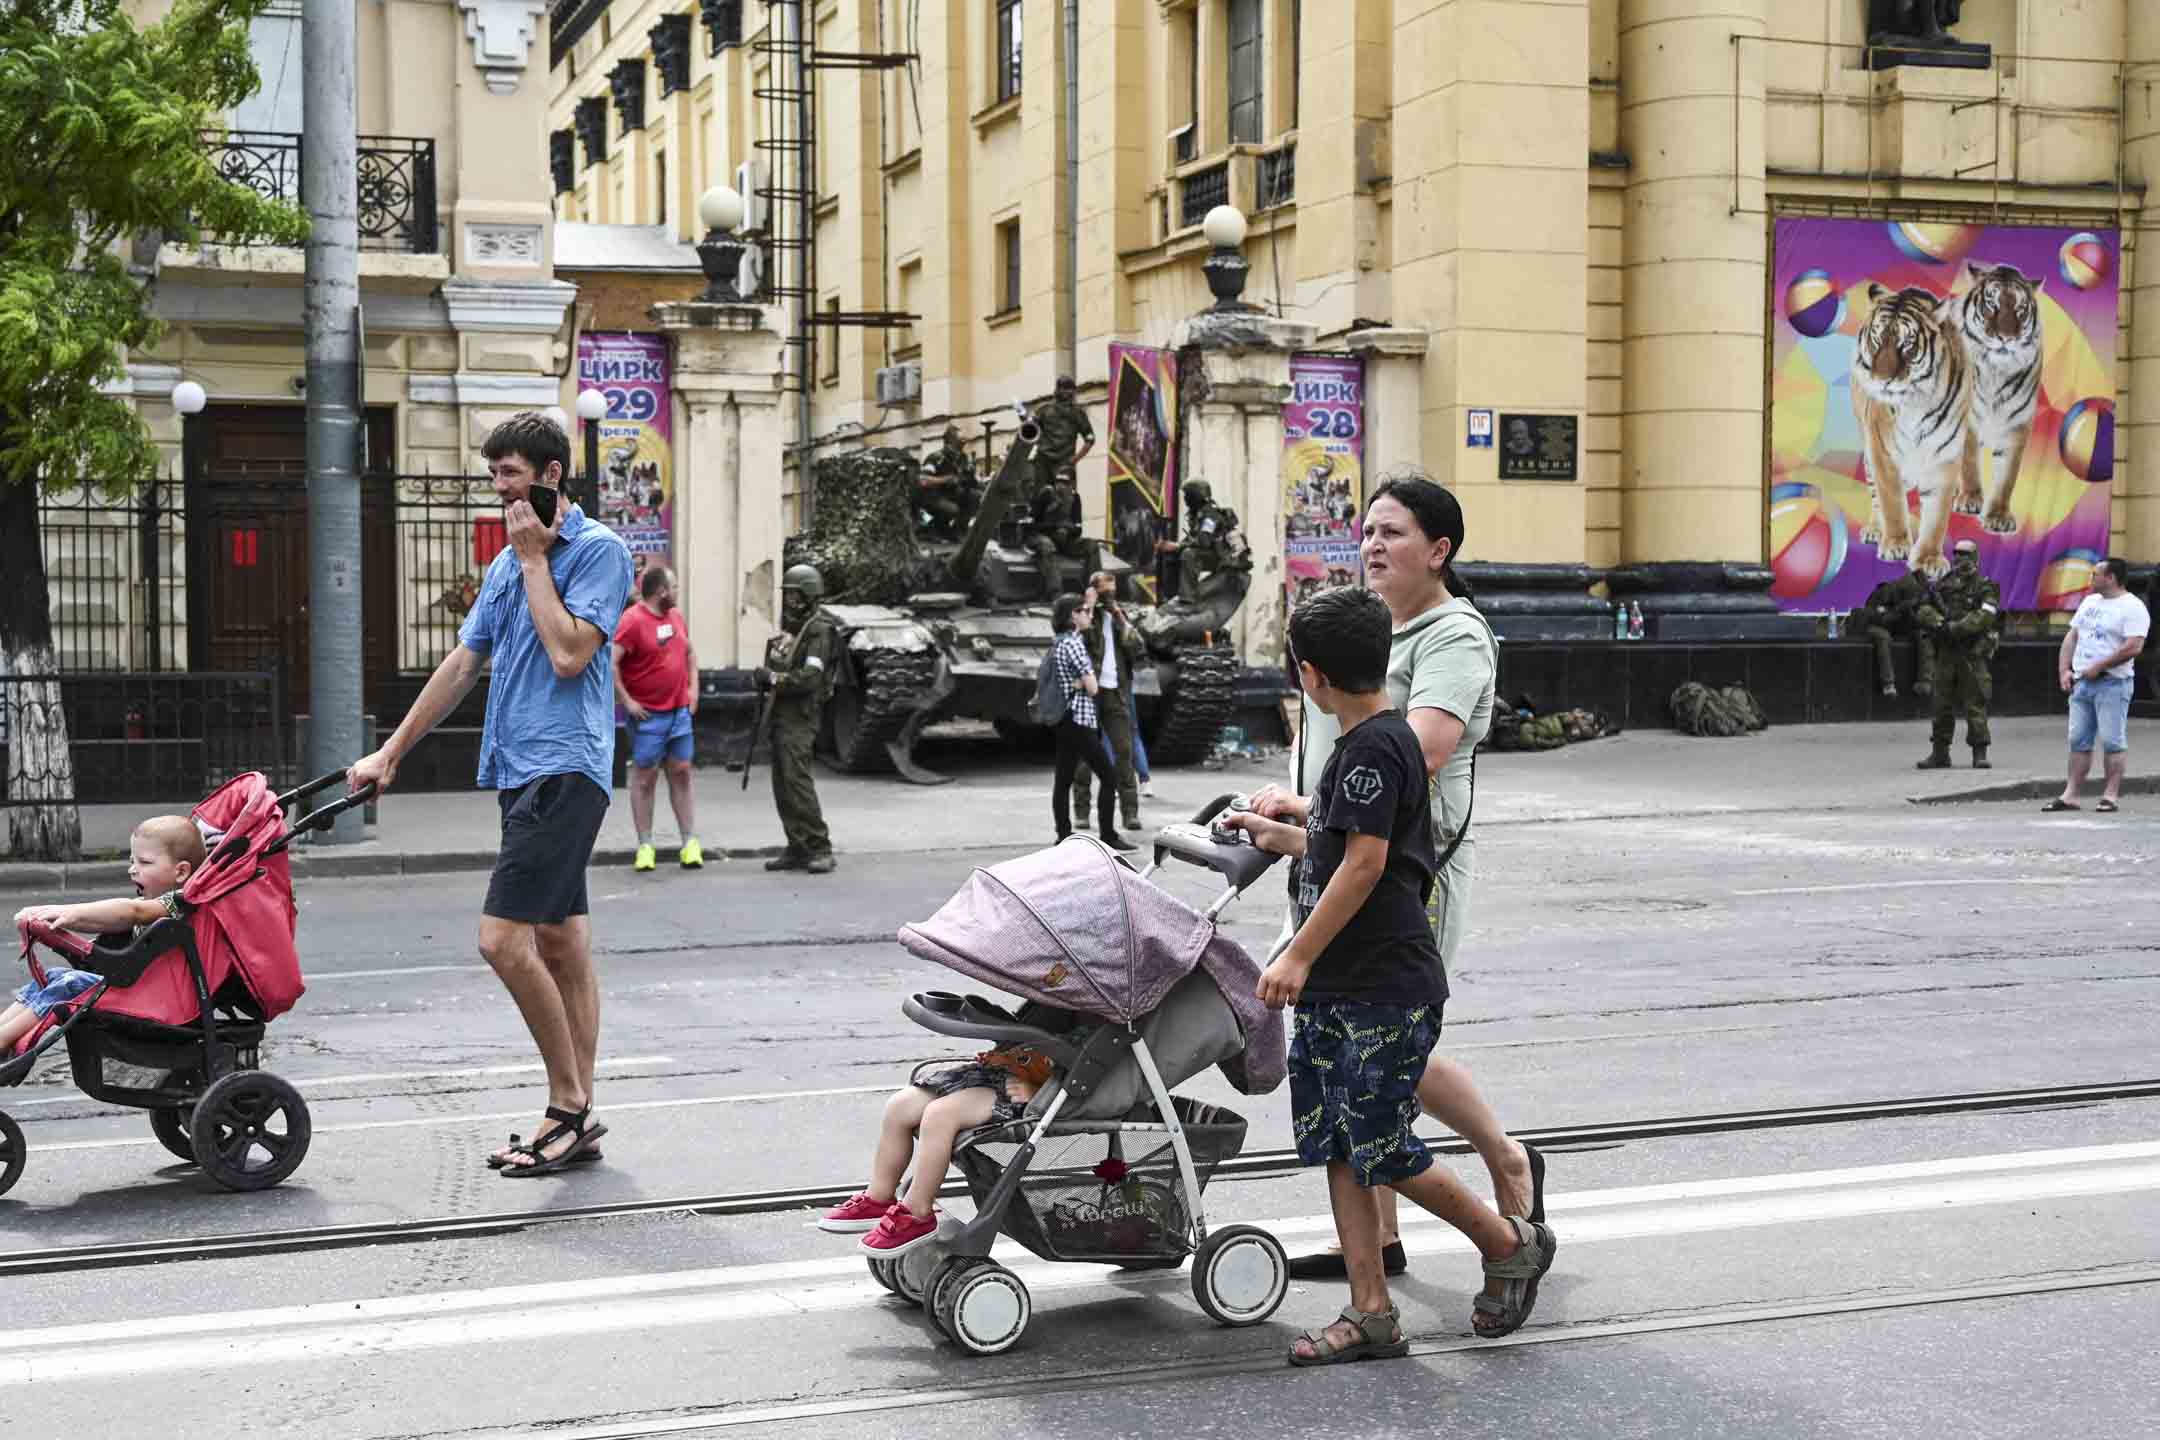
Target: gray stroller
1129 992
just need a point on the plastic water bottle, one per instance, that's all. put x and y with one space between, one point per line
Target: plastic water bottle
1833 625
1634 620
1619 621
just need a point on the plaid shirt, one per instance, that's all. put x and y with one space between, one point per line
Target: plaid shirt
1073 664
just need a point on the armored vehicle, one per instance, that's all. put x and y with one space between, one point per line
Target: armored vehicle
938 629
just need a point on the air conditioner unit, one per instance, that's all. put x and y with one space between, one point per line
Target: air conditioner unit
899 384
750 277
749 176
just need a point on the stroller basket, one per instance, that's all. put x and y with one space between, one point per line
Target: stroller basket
1103 1191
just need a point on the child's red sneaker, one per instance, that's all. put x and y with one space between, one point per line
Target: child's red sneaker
855 1216
899 1232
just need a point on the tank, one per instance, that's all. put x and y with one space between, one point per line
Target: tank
931 630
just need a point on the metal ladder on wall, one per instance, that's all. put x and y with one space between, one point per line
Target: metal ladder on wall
787 184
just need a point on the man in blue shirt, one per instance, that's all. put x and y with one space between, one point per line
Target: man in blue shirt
544 614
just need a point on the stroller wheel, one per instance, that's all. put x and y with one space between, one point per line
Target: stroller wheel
171 1129
949 1270
250 1130
911 1272
985 1309
882 1272
1240 1275
11 1153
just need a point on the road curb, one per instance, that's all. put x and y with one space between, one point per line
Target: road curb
2038 787
347 862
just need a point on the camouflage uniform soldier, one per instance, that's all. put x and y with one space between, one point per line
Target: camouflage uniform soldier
800 663
1058 530
947 491
1890 611
1962 614
1213 550
1063 423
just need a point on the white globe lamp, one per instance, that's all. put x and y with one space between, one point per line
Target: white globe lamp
1225 269
1224 227
721 209
591 405
188 398
558 417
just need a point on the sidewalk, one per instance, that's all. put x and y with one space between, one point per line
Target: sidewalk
999 800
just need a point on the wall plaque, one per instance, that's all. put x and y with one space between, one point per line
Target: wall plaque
1538 447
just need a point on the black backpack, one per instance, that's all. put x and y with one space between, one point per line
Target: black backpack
1049 693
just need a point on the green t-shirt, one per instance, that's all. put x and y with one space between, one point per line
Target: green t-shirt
1445 659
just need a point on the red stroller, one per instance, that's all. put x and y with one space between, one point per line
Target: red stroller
176 1025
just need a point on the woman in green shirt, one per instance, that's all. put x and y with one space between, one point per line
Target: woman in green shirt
1440 676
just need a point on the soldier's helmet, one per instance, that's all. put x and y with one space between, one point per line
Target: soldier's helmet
1197 494
952 435
804 580
1064 387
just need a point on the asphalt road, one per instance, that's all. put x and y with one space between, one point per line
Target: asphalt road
1981 1273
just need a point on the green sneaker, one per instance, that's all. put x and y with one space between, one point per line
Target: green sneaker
646 859
692 855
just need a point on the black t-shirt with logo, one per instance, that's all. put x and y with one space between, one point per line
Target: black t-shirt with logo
1374 784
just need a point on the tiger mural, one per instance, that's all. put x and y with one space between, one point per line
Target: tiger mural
1912 394
1998 320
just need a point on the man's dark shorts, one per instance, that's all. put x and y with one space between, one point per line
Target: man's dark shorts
1354 1072
548 829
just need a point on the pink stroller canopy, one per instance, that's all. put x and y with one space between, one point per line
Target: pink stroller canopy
1076 927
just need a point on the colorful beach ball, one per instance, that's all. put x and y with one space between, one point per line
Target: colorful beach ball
1934 244
2085 260
2065 580
2088 440
1814 304
1809 539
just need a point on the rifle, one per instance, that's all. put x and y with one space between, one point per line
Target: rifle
772 696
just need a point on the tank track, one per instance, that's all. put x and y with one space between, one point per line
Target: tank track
1199 705
894 682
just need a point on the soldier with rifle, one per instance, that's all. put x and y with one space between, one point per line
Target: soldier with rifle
797 680
1064 424
1058 530
1962 614
946 490
1213 553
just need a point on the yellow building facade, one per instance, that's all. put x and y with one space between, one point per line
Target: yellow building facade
1520 205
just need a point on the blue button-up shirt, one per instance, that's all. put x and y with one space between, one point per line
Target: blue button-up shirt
537 722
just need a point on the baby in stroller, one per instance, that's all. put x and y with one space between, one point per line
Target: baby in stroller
940 1101
162 853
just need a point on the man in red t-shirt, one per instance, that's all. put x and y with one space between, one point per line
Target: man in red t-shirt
656 683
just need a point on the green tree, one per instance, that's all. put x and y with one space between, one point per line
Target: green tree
102 123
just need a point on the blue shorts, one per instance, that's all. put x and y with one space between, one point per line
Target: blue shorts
2100 708
663 732
1354 1072
61 986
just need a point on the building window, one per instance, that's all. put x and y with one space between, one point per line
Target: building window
1008 249
660 188
1297 55
1247 122
1008 49
906 336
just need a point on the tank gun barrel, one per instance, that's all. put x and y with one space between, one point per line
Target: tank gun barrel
1000 497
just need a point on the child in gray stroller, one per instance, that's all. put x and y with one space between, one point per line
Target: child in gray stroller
1082 1153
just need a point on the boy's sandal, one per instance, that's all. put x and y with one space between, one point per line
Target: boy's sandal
1380 1337
517 1142
2106 807
1493 1316
2057 806
582 1138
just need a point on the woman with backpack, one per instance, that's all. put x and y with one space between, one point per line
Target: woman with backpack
1065 701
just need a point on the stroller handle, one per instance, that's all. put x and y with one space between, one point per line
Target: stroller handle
309 790
319 819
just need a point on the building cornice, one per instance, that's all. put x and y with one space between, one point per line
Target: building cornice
534 392
530 306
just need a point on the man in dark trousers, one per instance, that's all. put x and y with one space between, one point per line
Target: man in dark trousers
1114 645
1962 616
1065 425
543 616
1889 614
799 672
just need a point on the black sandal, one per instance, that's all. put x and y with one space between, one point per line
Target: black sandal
517 1142
582 1137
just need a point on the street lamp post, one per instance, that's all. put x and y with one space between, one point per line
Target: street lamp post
592 409
188 400
1226 269
720 253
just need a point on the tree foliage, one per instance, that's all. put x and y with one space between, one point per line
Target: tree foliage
102 126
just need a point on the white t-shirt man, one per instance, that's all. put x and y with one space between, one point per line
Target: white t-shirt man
2102 625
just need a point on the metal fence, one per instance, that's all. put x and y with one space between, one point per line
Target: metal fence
448 529
1202 191
141 738
396 179
116 572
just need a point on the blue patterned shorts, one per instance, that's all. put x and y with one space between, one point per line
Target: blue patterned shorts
1354 1072
61 985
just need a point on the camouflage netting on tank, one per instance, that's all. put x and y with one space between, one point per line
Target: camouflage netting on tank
862 533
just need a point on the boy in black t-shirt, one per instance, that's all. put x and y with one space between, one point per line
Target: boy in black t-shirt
1366 980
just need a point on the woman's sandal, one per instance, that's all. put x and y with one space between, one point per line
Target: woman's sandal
1537 1183
582 1138
1392 1346
1520 1274
517 1142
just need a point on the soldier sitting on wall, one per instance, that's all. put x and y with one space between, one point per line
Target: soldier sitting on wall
1213 555
1892 611
946 489
1058 529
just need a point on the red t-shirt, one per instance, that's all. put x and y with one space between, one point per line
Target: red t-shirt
655 652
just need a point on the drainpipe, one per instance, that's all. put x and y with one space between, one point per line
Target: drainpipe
1072 188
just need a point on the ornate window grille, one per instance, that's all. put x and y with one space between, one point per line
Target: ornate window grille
1201 192
1277 181
670 41
396 182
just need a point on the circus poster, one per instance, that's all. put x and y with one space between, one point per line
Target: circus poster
1323 474
637 472
1142 503
2038 506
